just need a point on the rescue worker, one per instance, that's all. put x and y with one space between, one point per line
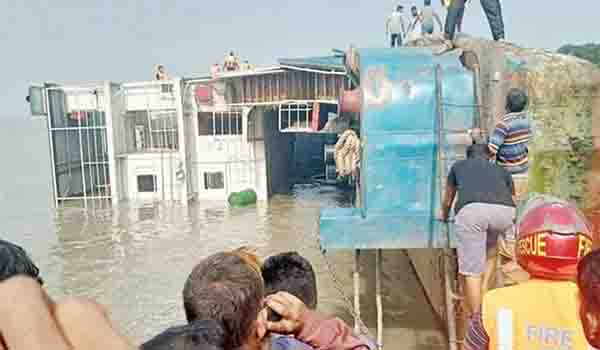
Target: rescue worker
542 313
395 28
492 9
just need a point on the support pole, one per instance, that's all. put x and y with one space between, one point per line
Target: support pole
450 312
356 278
378 266
499 280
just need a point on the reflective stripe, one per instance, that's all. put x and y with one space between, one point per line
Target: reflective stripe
505 329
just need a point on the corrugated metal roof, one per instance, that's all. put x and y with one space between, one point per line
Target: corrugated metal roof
335 63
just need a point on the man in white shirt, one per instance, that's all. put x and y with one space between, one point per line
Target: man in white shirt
394 26
415 23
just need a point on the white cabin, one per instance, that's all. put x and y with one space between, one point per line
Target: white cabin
182 139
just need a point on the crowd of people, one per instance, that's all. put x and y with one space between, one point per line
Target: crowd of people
553 245
231 63
421 22
231 300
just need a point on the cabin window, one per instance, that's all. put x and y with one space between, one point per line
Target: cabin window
205 124
166 88
146 183
214 180
151 130
37 101
220 123
295 117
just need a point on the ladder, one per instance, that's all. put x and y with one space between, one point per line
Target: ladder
442 167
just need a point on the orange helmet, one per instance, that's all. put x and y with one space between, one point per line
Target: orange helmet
552 237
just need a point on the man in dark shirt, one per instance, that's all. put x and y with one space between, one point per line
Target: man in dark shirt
484 209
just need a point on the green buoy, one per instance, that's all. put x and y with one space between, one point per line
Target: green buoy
242 198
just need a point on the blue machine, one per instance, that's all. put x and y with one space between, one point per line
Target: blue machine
415 107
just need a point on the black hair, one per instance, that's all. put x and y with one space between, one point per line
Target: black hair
292 273
15 261
477 150
399 7
516 100
198 335
427 2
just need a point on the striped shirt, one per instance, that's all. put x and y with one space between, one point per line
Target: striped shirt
508 142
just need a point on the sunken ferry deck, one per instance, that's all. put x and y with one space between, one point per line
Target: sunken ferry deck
188 138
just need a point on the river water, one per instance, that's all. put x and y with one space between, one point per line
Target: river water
135 258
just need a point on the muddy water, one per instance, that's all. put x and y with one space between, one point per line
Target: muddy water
135 258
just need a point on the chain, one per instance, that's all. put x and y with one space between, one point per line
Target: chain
315 243
347 302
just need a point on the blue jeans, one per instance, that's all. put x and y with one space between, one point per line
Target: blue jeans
396 40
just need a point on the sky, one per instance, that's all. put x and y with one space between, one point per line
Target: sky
121 40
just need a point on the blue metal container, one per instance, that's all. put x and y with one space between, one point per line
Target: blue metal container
415 105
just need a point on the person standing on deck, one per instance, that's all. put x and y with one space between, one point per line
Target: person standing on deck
395 28
459 16
415 27
509 141
428 14
484 210
160 73
231 62
493 11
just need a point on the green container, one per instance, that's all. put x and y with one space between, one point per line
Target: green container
243 198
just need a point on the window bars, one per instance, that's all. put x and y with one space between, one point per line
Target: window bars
295 117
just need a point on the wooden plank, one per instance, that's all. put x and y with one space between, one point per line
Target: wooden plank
428 267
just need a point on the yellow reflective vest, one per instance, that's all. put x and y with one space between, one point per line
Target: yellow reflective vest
534 315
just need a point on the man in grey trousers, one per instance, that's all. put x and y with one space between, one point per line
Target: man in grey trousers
484 210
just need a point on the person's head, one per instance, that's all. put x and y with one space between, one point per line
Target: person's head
15 261
227 287
290 272
198 335
552 237
414 11
478 150
399 8
588 281
160 68
427 2
231 53
516 100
